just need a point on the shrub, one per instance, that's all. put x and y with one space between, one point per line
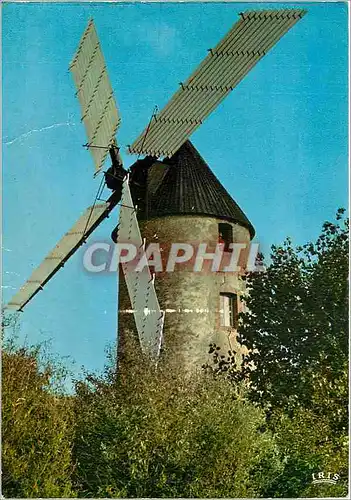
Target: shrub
150 433
37 427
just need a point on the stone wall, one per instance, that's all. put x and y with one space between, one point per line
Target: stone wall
190 299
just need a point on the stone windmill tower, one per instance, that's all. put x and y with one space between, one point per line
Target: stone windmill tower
191 206
179 199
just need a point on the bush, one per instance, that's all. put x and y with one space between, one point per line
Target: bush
150 433
36 427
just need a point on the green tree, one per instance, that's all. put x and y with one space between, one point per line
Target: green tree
296 327
296 331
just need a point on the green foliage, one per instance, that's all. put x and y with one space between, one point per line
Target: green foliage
307 445
259 430
297 325
154 433
296 330
36 428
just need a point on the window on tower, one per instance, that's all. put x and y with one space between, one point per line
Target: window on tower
228 310
225 235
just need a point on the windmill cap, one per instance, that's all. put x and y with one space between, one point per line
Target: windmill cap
189 187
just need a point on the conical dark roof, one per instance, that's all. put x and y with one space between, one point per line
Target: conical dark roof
190 187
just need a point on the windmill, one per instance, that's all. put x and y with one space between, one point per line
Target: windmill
165 136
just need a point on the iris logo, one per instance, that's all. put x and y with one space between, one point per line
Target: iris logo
324 477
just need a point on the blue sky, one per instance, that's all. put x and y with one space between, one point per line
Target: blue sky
278 143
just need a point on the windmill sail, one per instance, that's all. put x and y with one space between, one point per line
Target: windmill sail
224 67
147 313
66 247
94 91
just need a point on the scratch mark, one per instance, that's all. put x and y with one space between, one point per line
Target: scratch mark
35 130
147 311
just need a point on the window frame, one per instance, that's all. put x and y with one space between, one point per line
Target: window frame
226 230
233 310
